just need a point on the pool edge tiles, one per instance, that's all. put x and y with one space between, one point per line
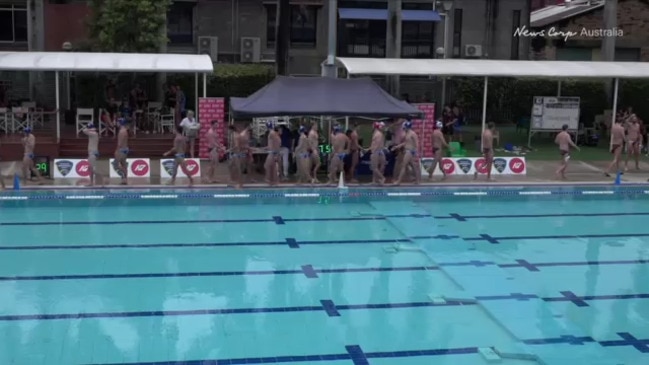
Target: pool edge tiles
460 191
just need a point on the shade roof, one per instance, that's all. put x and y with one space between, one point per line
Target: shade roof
105 62
556 13
495 68
316 96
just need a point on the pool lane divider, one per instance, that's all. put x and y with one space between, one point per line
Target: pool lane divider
495 190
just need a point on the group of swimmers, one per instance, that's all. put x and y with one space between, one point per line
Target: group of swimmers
406 147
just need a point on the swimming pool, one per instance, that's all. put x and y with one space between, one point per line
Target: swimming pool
544 275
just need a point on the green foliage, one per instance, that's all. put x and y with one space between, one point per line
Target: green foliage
515 95
128 25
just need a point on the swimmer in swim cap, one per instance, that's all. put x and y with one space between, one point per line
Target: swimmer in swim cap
439 143
271 166
410 158
377 158
303 157
314 151
29 166
93 153
121 151
339 143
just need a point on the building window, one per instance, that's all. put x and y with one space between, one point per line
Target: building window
457 33
417 38
516 23
13 24
180 23
303 27
362 38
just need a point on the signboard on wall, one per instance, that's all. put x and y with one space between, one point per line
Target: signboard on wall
552 112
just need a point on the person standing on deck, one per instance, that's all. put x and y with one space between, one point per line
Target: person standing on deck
93 153
29 144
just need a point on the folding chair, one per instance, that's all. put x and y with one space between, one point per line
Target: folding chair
167 121
4 120
19 119
84 117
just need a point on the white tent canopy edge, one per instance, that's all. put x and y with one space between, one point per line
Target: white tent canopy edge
497 68
105 62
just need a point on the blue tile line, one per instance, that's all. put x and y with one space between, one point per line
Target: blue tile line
362 192
359 357
281 221
352 352
293 243
326 305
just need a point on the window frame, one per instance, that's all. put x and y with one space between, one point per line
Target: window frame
296 33
13 9
181 38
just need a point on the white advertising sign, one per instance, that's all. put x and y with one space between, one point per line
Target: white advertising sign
137 167
469 165
71 168
552 112
193 168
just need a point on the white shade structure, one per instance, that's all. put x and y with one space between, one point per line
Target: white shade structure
498 68
106 62
494 68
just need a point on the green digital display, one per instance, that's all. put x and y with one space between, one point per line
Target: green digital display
42 163
325 149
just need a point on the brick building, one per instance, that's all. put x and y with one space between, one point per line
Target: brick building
245 29
584 44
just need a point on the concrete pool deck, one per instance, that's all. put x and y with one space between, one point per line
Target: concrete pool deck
538 173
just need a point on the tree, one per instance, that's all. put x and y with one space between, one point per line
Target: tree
128 25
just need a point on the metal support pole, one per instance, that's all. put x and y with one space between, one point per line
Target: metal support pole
484 109
615 89
329 67
347 118
68 91
58 107
446 26
195 92
204 87
559 88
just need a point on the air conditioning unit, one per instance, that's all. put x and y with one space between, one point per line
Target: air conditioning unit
209 46
250 49
473 51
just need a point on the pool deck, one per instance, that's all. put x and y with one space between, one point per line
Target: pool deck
538 173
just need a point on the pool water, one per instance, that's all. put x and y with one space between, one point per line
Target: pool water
374 280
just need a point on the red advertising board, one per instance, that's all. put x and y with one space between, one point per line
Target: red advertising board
210 109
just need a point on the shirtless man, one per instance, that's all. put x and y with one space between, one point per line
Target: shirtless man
303 158
410 159
314 141
355 153
634 142
29 143
398 153
121 152
617 140
439 143
179 148
236 157
93 154
487 150
272 160
565 143
245 153
339 148
213 148
377 158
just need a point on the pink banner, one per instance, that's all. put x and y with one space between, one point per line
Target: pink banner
424 128
210 109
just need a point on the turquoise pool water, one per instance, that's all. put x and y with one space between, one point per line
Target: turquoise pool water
520 276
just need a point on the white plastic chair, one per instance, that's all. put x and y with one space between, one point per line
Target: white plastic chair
4 120
105 129
167 121
84 116
19 119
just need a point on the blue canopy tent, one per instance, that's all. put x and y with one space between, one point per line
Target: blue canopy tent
319 96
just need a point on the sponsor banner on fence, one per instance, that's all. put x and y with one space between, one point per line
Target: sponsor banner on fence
71 169
137 167
210 109
471 165
193 167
